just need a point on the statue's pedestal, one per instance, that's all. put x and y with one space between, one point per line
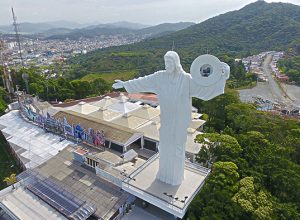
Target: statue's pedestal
173 199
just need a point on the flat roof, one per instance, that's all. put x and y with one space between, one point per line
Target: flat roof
25 205
81 151
32 144
143 184
83 183
139 213
106 156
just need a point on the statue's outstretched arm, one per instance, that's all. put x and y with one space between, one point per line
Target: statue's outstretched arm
142 84
206 92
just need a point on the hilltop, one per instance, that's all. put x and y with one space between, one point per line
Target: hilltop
117 29
259 26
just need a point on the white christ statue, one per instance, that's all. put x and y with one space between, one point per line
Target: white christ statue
175 89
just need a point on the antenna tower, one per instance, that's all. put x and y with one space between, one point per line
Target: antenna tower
16 28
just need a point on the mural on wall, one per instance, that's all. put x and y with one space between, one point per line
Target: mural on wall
89 135
68 129
99 139
79 132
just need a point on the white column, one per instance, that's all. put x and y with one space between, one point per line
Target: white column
142 142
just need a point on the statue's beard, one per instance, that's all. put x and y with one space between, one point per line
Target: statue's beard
173 70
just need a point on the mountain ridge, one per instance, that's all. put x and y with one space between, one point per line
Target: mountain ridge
90 32
259 26
39 27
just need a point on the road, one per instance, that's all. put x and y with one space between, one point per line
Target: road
285 95
293 92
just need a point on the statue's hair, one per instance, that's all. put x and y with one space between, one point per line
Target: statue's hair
175 57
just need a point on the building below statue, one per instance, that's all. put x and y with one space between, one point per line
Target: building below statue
115 179
173 199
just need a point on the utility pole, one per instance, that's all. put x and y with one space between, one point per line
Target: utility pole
25 76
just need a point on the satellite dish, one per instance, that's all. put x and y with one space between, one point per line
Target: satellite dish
207 69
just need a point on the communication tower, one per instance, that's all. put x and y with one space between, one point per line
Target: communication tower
25 76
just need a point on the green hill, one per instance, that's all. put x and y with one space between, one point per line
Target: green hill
257 27
109 30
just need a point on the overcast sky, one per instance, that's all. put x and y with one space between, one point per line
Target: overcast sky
104 11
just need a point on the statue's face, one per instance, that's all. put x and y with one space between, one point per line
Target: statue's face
169 64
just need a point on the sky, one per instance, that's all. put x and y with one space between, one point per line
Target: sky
105 11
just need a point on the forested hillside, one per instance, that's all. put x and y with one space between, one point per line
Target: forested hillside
259 26
92 32
255 158
290 65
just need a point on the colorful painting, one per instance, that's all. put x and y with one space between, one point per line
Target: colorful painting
90 136
68 129
79 131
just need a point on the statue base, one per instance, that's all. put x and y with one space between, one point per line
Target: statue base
175 200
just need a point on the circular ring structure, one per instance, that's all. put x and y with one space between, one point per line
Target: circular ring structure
206 70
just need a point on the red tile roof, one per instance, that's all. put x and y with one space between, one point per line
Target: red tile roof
81 151
87 100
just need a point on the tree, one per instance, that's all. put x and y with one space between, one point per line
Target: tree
36 89
214 200
217 147
99 86
240 116
4 100
256 148
11 180
282 179
255 202
81 88
292 142
215 108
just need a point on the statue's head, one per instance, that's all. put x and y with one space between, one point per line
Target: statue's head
172 62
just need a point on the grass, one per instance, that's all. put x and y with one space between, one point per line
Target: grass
110 77
8 163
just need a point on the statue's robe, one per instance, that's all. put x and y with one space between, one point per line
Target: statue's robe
175 91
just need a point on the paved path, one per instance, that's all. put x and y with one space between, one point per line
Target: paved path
293 92
286 95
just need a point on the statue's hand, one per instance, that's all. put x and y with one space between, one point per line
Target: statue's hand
225 70
118 84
